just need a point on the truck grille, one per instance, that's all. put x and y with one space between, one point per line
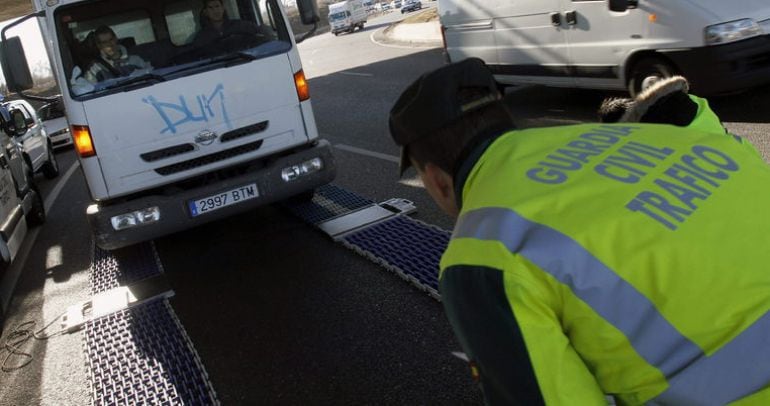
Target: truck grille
243 131
167 152
208 159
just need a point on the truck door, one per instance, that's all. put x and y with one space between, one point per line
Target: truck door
32 140
12 161
531 43
601 41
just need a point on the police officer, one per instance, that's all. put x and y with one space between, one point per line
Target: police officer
626 259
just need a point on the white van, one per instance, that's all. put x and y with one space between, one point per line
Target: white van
720 46
346 16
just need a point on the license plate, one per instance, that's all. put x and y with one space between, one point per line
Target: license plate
224 199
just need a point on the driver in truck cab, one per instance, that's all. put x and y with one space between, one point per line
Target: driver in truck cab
107 59
113 59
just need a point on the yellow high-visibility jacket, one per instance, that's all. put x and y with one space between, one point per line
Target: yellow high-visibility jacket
630 260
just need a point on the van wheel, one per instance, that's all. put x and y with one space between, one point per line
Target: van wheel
36 216
646 72
51 167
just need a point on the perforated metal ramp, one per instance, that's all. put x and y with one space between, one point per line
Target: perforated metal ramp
140 355
410 248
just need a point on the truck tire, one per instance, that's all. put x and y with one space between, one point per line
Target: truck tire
36 216
646 71
303 197
30 170
51 167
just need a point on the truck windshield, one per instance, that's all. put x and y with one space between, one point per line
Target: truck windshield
110 46
338 16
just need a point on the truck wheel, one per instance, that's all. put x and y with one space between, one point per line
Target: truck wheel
303 197
646 71
51 167
30 170
36 216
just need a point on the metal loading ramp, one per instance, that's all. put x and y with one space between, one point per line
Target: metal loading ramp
137 351
140 355
382 232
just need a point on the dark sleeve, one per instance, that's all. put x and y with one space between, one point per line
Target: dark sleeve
483 321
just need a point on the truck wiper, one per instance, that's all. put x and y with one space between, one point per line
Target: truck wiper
146 79
238 57
230 60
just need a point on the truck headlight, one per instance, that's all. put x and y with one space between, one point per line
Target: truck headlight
290 173
732 31
135 218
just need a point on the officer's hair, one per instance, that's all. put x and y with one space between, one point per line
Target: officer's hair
444 147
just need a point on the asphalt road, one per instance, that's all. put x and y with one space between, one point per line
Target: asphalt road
278 312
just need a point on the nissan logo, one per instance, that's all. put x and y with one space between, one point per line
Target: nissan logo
206 137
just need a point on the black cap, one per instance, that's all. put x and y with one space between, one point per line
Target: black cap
439 98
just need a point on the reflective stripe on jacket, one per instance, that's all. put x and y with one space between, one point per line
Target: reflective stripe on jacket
634 258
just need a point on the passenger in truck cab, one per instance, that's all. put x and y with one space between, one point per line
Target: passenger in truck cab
216 25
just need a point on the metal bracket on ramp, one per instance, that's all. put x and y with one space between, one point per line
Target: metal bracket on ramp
338 227
114 300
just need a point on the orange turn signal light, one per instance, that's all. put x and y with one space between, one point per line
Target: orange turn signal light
82 137
302 89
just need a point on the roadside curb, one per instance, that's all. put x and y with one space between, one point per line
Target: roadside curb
420 35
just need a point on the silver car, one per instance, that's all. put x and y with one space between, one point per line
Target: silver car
56 125
36 147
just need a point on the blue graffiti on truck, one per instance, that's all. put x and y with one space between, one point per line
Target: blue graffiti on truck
175 115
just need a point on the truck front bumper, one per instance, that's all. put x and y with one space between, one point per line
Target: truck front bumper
725 68
175 214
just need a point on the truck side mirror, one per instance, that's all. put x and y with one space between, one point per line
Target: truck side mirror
15 68
618 6
308 11
18 124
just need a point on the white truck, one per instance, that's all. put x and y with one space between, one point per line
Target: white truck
204 130
720 46
346 16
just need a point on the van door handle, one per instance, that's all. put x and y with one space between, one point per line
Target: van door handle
571 17
555 19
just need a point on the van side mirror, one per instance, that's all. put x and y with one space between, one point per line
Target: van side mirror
18 124
618 6
15 68
308 11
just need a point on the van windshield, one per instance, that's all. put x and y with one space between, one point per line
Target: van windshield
107 46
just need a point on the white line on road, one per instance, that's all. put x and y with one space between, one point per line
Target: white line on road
357 74
59 186
368 153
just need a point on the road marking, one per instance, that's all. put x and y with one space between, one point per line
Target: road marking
8 283
368 153
357 74
59 186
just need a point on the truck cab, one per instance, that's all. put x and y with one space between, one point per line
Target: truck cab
181 115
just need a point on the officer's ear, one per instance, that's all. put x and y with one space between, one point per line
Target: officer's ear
440 186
